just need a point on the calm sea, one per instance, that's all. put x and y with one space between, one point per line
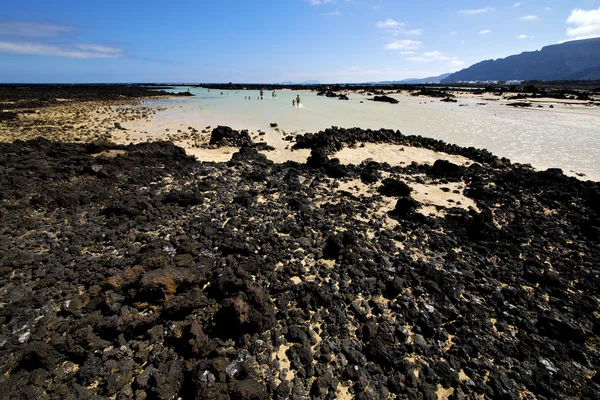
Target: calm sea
566 136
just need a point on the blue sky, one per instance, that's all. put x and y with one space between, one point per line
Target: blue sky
256 41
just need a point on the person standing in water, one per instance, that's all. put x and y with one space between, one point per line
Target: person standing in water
293 103
298 100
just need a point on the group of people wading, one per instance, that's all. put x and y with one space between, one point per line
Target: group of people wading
295 102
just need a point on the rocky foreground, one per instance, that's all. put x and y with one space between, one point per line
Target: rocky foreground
135 272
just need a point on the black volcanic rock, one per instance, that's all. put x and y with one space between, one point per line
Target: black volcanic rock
171 278
394 187
574 60
225 136
385 99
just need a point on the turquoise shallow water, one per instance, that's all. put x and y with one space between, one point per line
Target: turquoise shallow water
566 137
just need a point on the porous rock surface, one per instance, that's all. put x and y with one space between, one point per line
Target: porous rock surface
148 275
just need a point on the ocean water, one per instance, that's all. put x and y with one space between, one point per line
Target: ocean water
566 137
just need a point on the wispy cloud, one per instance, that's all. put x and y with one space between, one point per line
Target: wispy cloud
518 4
456 64
485 31
389 24
73 50
42 39
529 18
523 37
32 29
319 2
404 45
396 28
586 24
431 56
334 13
476 11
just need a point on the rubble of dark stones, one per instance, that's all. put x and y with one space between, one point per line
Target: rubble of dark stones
17 97
150 275
432 93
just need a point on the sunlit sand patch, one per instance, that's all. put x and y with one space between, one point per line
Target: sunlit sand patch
282 155
433 196
444 394
395 155
284 362
110 153
222 154
343 392
296 280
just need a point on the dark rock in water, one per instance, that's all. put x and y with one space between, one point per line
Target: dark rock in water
225 136
386 99
394 187
449 100
273 125
343 97
519 104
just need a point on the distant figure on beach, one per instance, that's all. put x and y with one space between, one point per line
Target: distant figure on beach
298 100
261 94
274 95
293 103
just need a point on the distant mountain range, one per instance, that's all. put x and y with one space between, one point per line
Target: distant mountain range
575 60
416 81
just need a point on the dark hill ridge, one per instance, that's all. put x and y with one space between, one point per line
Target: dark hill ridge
153 276
576 60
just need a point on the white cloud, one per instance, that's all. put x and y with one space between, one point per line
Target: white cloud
319 2
334 13
431 56
517 4
389 24
485 31
74 50
395 28
436 55
477 11
30 29
586 24
406 53
523 37
453 33
404 45
529 18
